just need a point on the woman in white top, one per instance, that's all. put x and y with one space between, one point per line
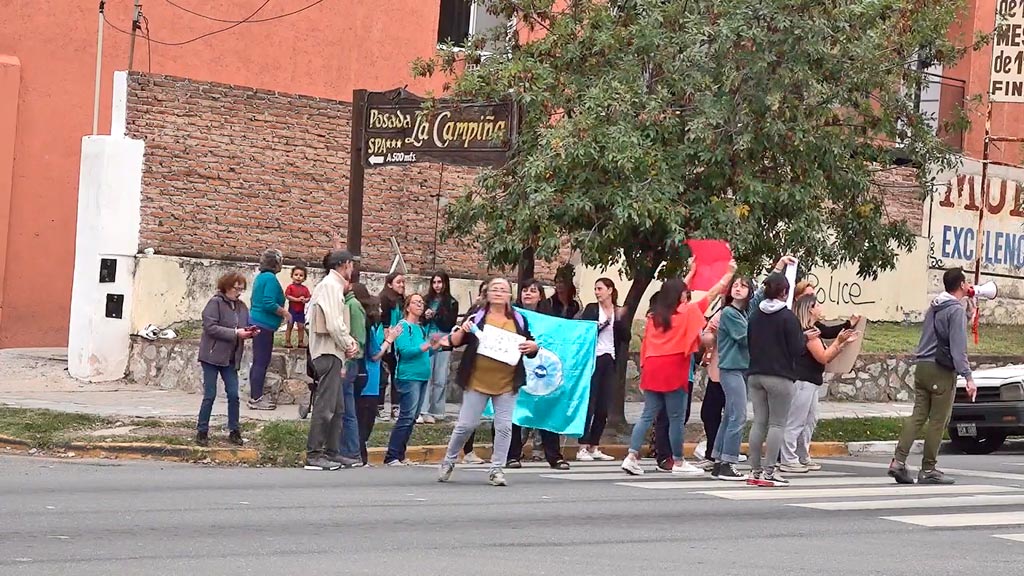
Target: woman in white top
612 344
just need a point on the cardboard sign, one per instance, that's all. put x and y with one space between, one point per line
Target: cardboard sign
500 345
711 262
843 363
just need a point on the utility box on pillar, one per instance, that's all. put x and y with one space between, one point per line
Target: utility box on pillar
107 240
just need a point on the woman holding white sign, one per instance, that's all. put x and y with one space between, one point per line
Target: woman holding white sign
496 338
810 370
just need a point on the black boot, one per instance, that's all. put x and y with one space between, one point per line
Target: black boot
203 438
235 437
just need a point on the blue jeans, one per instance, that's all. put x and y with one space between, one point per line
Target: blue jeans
675 404
262 352
230 376
410 394
438 384
730 431
349 422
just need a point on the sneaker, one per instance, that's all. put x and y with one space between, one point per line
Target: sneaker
513 464
598 455
743 458
262 403
321 464
665 465
497 478
811 465
427 419
382 415
235 437
447 469
472 458
794 468
632 466
727 471
420 420
394 412
686 470
899 472
394 463
584 455
715 469
701 451
933 476
772 479
343 460
559 465
704 464
203 439
754 479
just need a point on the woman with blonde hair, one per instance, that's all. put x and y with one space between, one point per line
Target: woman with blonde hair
810 369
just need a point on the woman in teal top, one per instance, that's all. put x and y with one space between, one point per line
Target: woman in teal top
267 311
413 348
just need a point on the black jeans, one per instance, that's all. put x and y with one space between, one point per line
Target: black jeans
366 411
600 397
711 413
387 375
550 440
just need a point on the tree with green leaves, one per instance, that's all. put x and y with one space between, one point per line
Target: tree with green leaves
645 123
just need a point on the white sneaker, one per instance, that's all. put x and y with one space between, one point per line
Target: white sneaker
427 419
598 455
632 466
584 455
684 468
472 458
794 468
701 451
811 465
705 465
743 457
419 419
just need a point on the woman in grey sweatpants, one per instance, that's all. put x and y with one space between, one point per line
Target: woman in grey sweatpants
775 340
484 378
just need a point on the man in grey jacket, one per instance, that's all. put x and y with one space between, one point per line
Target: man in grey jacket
941 357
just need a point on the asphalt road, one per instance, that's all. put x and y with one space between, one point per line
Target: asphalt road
107 517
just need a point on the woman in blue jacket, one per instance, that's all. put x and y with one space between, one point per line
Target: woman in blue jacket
267 312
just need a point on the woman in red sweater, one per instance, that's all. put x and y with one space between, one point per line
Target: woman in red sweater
671 336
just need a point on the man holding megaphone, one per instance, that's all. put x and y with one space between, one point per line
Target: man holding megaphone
941 356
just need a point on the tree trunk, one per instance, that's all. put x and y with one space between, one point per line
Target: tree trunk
527 261
617 409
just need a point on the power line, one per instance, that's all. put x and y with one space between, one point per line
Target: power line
149 45
222 20
197 38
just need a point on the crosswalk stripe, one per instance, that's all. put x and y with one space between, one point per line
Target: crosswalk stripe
696 485
939 502
620 475
950 471
789 493
961 520
1014 537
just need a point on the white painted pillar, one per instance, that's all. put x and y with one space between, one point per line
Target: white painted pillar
107 238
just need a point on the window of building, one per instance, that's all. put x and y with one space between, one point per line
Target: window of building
461 19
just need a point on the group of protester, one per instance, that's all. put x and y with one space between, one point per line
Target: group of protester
754 345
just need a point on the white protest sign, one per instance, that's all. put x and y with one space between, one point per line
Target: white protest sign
791 276
499 344
1007 83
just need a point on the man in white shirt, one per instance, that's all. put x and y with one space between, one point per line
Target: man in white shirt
330 345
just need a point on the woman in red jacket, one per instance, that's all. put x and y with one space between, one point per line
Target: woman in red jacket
670 338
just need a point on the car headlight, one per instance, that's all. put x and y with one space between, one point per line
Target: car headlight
1011 392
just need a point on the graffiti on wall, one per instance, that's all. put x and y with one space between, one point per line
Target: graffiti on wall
833 289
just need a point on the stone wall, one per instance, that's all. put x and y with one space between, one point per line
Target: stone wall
232 170
172 364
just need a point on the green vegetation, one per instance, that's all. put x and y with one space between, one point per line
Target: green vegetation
45 428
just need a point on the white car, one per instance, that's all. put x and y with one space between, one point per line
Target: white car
981 427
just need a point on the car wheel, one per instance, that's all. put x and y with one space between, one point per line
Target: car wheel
986 442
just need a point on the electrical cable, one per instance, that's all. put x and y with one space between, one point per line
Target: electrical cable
149 44
225 21
197 38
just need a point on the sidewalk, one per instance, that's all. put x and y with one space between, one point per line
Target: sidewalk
38 378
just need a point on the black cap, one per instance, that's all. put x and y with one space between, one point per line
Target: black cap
338 257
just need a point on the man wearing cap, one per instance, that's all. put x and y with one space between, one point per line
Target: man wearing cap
330 346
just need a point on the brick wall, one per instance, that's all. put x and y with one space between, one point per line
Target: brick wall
901 193
230 171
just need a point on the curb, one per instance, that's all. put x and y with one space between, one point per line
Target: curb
140 451
883 448
418 454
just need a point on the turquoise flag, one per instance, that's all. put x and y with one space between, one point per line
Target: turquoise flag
557 389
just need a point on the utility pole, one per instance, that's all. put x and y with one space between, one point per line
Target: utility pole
99 72
136 17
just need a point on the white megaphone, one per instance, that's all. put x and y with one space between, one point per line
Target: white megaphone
986 291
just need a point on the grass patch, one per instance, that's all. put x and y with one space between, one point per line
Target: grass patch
858 429
45 428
